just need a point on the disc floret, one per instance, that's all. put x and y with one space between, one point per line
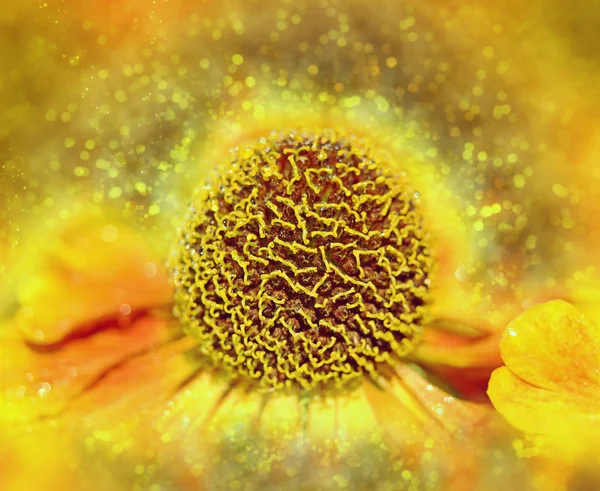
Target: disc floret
304 263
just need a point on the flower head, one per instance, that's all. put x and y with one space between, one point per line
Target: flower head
305 263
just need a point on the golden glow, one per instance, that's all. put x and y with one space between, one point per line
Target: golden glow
489 108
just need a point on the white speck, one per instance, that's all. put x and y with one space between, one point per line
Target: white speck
461 274
109 233
44 389
150 270
125 309
527 303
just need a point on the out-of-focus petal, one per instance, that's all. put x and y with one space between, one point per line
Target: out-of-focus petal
38 381
36 460
99 395
418 420
108 267
401 417
409 407
461 356
459 418
343 418
156 376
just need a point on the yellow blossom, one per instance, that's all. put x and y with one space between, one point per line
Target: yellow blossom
474 134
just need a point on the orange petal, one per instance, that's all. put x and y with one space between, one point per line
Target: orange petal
419 420
404 427
460 349
551 382
107 267
40 382
458 417
463 360
115 408
554 347
536 410
140 383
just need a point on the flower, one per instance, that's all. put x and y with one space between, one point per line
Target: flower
95 319
125 385
115 111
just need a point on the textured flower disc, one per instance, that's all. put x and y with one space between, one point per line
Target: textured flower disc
305 263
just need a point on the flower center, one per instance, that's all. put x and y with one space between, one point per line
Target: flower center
304 263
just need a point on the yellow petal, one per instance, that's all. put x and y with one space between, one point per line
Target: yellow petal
41 382
536 410
554 347
551 381
403 420
347 418
106 266
458 417
36 461
155 375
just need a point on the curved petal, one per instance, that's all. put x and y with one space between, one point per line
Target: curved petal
403 421
38 382
537 410
551 381
411 411
458 417
554 347
106 266
156 375
460 356
62 405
